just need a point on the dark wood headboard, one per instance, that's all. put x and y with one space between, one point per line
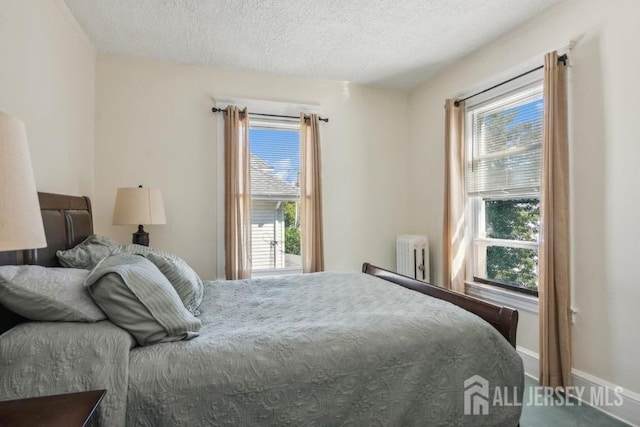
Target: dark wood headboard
67 222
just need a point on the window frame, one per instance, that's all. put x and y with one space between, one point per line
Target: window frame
252 105
481 287
286 124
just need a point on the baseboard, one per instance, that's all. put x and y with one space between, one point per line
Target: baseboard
628 412
530 361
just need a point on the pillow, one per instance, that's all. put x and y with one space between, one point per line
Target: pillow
95 248
184 280
88 253
47 294
136 296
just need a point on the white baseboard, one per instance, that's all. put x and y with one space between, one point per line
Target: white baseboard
530 361
628 412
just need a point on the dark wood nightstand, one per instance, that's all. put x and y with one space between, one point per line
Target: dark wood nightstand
68 410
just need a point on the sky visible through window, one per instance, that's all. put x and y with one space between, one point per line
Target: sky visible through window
286 159
280 149
526 111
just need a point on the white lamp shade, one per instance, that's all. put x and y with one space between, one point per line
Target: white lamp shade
20 218
139 206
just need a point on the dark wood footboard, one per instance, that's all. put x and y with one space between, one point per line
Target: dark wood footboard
504 319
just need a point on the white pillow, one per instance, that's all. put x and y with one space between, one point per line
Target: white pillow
48 294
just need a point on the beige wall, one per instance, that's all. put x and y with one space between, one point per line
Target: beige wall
605 103
154 127
47 79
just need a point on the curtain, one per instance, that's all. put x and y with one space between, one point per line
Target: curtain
237 195
454 227
311 244
554 280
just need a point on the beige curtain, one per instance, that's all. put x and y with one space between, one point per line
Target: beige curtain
454 227
237 195
554 280
312 244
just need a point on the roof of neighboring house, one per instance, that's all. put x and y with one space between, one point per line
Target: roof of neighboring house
266 185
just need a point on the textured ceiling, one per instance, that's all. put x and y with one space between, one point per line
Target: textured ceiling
392 43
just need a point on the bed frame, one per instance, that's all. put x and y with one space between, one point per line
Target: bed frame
504 319
68 221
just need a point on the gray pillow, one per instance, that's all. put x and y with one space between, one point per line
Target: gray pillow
47 294
88 253
136 296
95 248
184 280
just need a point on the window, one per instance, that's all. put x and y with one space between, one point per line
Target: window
275 195
504 142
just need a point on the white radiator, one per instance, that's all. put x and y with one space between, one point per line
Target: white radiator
412 256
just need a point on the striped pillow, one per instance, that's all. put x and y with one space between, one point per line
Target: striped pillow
136 296
185 281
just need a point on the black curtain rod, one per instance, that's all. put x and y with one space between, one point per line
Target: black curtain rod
562 59
224 110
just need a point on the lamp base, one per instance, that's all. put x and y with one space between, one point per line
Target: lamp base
141 237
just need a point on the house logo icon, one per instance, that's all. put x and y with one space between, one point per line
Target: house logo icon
476 396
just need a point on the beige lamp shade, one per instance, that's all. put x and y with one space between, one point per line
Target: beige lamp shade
139 206
20 218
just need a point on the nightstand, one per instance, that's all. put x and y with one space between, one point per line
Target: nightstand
68 410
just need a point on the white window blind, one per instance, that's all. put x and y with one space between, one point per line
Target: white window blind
506 145
275 158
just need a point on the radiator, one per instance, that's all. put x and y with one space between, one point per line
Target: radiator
412 256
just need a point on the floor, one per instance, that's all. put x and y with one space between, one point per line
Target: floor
562 416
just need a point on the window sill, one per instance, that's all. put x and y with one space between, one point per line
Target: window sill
275 272
496 295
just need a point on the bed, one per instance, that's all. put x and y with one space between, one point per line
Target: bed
319 349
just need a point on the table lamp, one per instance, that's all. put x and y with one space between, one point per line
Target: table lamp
141 206
20 218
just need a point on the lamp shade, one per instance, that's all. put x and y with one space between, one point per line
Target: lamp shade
140 206
20 218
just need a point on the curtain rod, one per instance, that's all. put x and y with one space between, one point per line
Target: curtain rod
457 102
224 110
